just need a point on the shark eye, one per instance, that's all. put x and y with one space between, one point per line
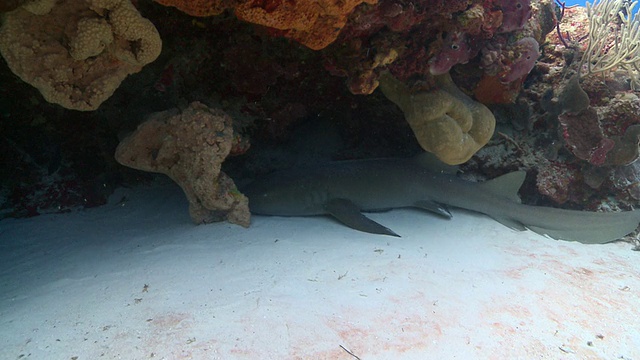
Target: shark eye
455 46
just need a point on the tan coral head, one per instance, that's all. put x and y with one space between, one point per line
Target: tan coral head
77 52
190 146
445 121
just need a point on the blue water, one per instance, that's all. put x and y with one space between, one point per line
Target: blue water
574 2
583 3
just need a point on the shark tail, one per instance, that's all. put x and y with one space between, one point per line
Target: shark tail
586 227
582 226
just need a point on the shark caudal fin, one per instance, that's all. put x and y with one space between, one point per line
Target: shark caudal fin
586 227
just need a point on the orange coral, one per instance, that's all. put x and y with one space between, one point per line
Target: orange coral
315 24
491 90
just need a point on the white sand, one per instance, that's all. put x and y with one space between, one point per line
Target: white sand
138 281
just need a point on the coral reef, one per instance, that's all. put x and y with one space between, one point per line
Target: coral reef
613 24
515 14
526 52
559 181
583 131
429 38
578 147
315 24
445 121
584 136
583 125
76 53
456 49
189 146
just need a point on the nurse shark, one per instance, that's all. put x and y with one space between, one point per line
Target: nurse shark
345 189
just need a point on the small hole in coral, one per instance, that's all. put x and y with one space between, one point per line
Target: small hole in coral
135 47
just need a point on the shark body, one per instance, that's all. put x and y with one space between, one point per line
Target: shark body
346 189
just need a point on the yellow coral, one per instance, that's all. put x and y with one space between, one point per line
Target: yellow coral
39 7
92 36
190 146
128 25
78 53
445 121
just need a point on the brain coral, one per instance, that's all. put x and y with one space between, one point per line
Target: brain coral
78 52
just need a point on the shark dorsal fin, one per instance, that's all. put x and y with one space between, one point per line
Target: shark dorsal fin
506 186
431 162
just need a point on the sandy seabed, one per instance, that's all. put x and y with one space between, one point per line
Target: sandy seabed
135 279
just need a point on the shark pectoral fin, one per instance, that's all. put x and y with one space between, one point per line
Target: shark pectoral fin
349 214
433 207
510 223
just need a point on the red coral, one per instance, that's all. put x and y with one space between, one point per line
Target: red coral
509 62
490 90
525 54
456 49
416 62
515 14
408 28
599 153
584 137
395 15
555 181
240 145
